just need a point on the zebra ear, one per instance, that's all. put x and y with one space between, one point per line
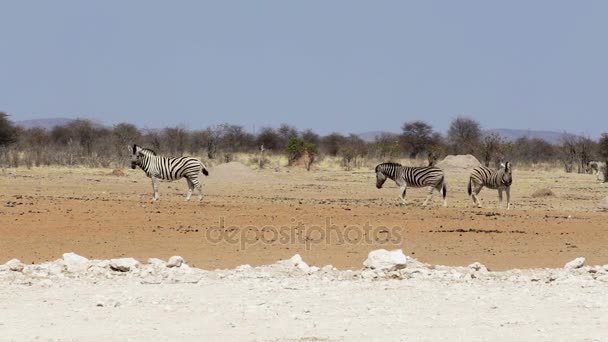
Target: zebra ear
507 166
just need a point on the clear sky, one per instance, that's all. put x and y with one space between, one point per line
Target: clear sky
346 66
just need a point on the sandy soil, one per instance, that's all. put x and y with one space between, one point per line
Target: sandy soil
329 217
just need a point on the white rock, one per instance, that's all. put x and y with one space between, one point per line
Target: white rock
175 261
574 264
381 259
75 263
156 262
56 267
478 267
296 259
328 268
243 268
124 264
15 265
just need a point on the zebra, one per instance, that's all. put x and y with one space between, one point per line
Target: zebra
412 176
594 167
500 180
157 167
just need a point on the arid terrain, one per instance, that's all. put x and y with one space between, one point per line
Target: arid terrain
328 216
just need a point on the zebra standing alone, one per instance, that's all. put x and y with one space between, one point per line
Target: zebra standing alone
500 180
416 177
158 167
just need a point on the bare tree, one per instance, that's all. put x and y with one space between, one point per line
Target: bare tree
386 145
8 136
464 136
331 144
603 152
418 137
490 147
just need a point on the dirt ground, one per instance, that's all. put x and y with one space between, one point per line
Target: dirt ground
329 217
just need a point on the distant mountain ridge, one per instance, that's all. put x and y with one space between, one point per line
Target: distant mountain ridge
508 134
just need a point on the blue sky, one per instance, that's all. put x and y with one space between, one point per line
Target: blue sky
346 66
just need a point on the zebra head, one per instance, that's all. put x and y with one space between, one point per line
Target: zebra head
135 154
383 172
507 177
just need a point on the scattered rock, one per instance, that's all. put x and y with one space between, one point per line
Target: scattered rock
175 261
381 259
123 264
157 262
297 261
574 264
15 265
478 267
75 263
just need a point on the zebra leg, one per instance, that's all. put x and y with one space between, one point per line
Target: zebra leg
402 189
199 187
155 187
508 197
428 197
190 188
499 198
475 195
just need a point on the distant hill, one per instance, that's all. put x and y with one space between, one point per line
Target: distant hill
507 133
514 134
372 135
49 123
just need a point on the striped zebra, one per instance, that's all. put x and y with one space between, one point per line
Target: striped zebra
595 167
158 167
415 177
500 180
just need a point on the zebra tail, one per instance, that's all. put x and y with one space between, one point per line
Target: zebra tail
204 169
469 187
445 190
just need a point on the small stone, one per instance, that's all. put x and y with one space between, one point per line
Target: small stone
15 265
478 267
124 264
381 259
75 263
574 264
156 262
175 261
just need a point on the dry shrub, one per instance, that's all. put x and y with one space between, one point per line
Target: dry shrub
544 192
117 173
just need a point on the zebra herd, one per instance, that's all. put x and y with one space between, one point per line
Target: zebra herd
158 167
434 179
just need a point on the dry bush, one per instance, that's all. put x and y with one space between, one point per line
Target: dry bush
544 192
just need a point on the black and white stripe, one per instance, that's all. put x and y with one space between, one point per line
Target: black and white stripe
500 180
415 177
158 167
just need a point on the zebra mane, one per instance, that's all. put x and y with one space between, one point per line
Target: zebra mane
149 151
387 164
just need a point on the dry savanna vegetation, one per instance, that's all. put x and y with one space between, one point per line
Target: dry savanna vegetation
69 189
